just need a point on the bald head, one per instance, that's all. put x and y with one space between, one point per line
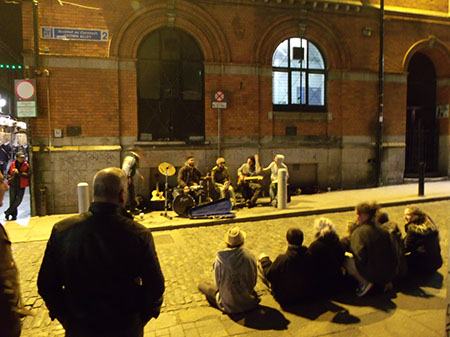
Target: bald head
110 185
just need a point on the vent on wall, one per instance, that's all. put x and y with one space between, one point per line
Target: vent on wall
291 131
73 131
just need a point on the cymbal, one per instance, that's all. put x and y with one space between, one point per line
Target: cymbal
166 167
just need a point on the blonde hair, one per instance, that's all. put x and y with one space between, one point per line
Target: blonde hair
323 226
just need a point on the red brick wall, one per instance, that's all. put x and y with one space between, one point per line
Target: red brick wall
244 34
78 97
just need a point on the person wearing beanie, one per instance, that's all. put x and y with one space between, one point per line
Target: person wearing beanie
220 177
235 275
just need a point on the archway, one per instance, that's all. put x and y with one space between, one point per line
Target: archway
170 86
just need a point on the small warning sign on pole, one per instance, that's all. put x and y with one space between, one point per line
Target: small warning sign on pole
26 105
219 99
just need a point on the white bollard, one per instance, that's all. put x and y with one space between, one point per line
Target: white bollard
282 189
83 197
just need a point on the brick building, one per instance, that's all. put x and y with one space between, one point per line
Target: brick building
301 78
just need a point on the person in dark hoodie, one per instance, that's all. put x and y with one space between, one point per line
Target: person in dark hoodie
290 276
327 256
423 252
235 274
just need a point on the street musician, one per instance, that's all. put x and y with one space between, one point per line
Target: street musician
249 180
189 177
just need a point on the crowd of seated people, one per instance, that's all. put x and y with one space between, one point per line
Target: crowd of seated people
373 255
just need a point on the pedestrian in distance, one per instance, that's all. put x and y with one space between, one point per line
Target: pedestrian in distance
235 276
423 252
290 276
100 275
18 178
374 260
11 309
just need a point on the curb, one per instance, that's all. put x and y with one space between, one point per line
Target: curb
292 214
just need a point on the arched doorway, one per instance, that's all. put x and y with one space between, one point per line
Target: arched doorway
170 87
422 132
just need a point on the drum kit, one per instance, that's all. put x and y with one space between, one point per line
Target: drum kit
182 201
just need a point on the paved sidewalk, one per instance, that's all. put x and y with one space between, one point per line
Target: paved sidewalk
187 247
39 228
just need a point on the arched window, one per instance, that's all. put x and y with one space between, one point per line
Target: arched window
170 87
299 77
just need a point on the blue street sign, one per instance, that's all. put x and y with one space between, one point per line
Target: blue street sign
74 34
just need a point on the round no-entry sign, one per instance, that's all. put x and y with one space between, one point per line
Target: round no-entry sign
25 90
219 96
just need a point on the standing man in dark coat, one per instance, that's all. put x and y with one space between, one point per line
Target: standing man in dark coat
291 274
100 275
10 303
18 176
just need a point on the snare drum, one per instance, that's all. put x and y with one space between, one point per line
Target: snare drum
182 203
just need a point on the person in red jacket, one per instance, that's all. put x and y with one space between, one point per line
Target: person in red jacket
18 178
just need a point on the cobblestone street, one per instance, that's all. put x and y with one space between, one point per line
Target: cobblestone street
186 257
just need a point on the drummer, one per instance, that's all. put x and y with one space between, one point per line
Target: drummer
189 177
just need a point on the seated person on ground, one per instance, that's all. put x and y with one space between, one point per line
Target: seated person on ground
423 252
374 258
235 274
396 234
290 276
327 256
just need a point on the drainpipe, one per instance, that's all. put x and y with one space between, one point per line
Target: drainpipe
36 37
379 143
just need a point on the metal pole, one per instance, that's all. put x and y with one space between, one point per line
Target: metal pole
421 161
83 197
36 36
219 131
282 189
379 147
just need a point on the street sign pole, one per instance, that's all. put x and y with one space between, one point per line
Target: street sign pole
219 131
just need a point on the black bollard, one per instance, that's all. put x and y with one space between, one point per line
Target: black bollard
421 178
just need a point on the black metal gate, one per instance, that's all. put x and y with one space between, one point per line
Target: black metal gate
422 129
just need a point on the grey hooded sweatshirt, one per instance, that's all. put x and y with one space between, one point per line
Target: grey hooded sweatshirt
235 271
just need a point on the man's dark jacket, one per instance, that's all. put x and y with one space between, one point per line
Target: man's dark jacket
374 252
187 175
100 271
290 275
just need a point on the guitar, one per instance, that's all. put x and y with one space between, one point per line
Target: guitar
156 194
249 178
